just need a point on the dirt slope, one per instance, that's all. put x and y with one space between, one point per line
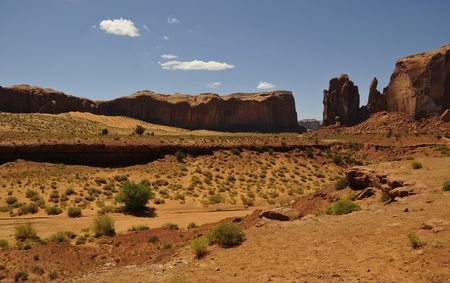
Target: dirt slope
366 246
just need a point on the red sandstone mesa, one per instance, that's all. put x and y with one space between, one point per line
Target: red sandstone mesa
265 112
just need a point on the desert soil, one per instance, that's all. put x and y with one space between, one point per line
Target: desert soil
370 245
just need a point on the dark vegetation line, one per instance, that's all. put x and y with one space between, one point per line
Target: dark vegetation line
104 155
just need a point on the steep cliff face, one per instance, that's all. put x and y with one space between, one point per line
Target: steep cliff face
28 99
420 84
266 112
270 112
341 102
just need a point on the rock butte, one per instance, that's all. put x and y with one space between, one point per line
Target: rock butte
265 112
419 86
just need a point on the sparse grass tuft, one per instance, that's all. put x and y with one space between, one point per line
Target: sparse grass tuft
415 242
199 246
446 186
104 226
59 238
170 226
4 245
74 212
416 165
226 235
53 210
341 183
153 239
138 228
343 206
25 232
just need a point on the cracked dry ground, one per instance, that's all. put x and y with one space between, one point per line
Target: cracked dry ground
368 245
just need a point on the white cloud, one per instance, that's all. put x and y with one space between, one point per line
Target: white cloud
214 85
169 56
146 27
120 27
265 85
94 26
195 65
172 20
165 37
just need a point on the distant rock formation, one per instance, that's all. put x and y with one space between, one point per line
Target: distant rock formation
341 102
310 124
264 112
419 86
377 100
28 99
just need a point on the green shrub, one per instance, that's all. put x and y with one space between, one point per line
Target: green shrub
415 242
70 234
104 226
341 183
81 240
24 245
337 160
248 201
153 239
226 235
53 210
21 276
343 206
120 178
235 151
4 245
105 131
29 208
100 180
31 194
446 186
167 247
53 275
180 156
309 153
199 246
38 270
25 232
216 198
139 130
138 228
11 200
58 237
416 165
192 225
134 196
170 226
74 212
69 191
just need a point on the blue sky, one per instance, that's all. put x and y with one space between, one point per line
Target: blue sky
106 49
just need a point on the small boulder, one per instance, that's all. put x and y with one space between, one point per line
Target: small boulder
281 214
400 192
368 192
360 178
395 183
435 225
